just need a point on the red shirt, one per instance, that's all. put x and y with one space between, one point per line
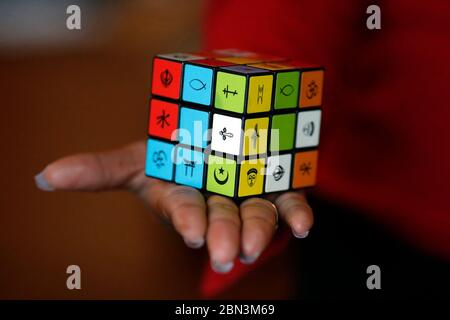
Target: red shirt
385 140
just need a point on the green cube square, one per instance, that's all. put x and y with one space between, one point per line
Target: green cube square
221 177
230 92
286 94
282 132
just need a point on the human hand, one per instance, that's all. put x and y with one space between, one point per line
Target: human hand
229 230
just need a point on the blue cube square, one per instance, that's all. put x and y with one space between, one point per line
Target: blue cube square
193 129
197 84
189 168
160 159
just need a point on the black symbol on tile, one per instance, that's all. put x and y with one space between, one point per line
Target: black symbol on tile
287 90
189 165
226 91
197 84
251 177
308 128
225 134
313 89
305 168
221 173
166 78
162 119
159 158
259 100
278 173
255 136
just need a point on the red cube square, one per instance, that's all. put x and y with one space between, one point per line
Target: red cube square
163 120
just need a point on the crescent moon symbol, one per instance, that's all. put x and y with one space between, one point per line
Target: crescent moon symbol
221 182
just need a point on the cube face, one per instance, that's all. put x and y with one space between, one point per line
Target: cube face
308 129
286 92
221 176
226 134
278 173
234 123
255 136
160 160
230 92
282 132
311 89
189 167
163 120
251 177
166 78
193 128
197 84
260 94
305 169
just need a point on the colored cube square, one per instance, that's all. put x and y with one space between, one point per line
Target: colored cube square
163 119
243 89
194 125
221 177
235 123
226 134
256 131
308 129
311 86
159 160
282 132
251 177
305 169
230 92
189 168
197 84
286 91
260 94
278 173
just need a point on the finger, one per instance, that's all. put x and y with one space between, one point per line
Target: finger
223 232
183 206
259 218
95 171
294 209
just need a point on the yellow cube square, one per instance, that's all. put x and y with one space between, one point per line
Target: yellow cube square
251 177
259 94
256 132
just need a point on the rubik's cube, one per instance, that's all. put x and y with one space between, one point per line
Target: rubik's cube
234 123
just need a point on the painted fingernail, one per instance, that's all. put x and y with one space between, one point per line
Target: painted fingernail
196 244
42 183
248 259
222 267
300 235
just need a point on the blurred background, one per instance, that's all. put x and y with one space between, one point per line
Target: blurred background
66 92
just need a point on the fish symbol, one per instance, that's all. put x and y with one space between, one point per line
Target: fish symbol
287 90
197 84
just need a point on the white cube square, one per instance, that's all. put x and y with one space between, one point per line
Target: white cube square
226 134
278 173
308 129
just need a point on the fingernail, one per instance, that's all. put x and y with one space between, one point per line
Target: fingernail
196 244
300 235
248 259
41 183
222 268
